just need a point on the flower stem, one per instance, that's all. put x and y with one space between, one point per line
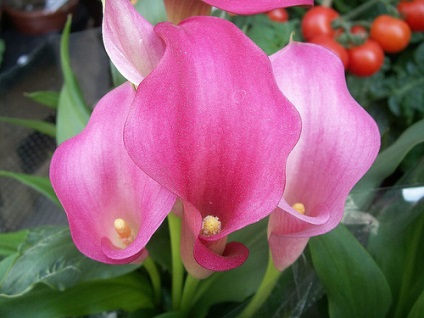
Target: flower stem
190 288
174 223
154 275
267 285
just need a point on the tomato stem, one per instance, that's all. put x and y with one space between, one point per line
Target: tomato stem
327 3
364 7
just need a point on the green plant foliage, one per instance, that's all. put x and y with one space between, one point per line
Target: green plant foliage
418 309
72 113
387 162
127 293
9 242
268 35
2 49
46 98
40 184
397 245
43 127
354 284
59 264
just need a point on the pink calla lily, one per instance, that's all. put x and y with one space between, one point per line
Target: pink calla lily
112 206
210 124
255 6
338 144
130 41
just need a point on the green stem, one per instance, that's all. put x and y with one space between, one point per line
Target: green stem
407 278
267 285
190 288
154 275
174 223
363 8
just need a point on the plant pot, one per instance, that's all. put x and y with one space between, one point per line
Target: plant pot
36 20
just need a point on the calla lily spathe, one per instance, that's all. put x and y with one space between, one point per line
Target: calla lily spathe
338 144
210 124
178 10
113 207
255 6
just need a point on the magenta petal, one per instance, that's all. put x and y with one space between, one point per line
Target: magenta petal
211 125
338 144
97 182
130 41
233 256
286 250
213 254
255 6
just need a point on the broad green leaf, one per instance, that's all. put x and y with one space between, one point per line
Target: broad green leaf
387 162
128 293
72 113
397 245
46 98
354 284
40 184
49 256
9 242
6 264
397 248
418 309
38 125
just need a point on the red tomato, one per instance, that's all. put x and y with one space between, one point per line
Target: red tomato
413 13
359 30
318 21
365 59
331 44
278 15
391 33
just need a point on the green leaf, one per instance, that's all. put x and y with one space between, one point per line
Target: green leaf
387 162
38 125
418 309
40 184
72 113
9 242
46 98
128 293
397 247
6 264
50 257
354 284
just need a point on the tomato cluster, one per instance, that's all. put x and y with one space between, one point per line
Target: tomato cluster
365 55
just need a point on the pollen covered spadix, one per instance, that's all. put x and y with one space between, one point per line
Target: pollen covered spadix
211 225
299 207
124 231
